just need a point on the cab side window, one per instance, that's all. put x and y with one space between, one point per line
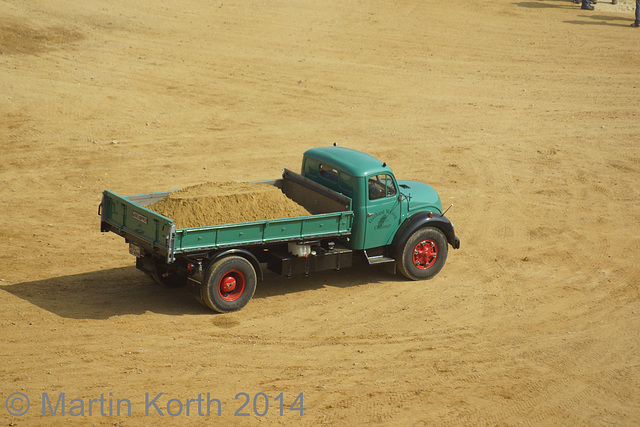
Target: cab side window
381 186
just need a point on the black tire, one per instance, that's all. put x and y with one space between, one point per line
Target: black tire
423 254
163 277
229 284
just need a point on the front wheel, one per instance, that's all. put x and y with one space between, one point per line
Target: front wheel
229 284
423 254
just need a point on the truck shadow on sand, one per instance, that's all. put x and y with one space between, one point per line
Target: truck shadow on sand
126 291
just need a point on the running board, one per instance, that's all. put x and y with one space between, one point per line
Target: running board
377 259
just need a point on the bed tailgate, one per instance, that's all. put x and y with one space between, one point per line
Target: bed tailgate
126 216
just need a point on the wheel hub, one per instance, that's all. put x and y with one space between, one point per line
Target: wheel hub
228 284
231 285
425 254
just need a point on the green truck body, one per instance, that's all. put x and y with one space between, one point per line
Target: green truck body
357 207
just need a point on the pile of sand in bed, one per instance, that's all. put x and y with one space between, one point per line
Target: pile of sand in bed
215 203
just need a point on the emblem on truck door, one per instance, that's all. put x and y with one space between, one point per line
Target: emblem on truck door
143 219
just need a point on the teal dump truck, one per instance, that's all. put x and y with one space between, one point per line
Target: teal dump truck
357 207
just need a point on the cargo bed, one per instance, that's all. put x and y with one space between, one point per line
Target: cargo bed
156 234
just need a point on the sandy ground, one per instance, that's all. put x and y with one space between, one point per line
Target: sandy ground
523 114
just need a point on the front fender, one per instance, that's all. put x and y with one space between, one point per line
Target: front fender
420 220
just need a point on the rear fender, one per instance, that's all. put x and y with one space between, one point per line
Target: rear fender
238 252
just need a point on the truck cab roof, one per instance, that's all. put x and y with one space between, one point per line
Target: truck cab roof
352 162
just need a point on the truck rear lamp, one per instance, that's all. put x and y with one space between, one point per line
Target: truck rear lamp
191 267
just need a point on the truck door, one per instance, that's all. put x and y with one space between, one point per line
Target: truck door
383 210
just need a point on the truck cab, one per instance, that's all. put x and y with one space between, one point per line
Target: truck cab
381 203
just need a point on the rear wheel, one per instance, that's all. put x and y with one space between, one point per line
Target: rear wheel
229 284
423 254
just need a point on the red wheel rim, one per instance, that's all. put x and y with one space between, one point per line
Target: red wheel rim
425 254
231 285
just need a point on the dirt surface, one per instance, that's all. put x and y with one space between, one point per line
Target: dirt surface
525 115
215 203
